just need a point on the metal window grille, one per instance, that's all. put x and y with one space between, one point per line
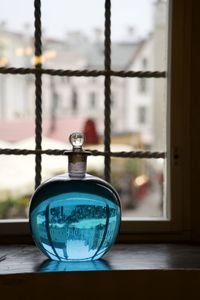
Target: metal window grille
38 71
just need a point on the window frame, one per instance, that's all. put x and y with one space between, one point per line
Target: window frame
178 227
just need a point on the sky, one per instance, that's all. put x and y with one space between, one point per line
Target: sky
62 16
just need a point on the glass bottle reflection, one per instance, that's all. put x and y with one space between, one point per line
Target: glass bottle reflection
57 266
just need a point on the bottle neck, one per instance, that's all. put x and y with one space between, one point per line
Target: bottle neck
77 165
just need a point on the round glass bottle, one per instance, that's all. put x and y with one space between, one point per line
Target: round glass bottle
75 216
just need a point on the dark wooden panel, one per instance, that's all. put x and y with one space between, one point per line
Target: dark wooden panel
118 285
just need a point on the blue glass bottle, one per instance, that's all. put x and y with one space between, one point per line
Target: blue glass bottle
75 216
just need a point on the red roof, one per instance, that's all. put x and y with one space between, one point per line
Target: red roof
14 131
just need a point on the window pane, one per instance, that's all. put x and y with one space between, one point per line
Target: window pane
75 39
16 185
140 184
139 105
67 106
16 33
17 109
139 112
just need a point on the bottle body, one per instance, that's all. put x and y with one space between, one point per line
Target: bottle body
75 219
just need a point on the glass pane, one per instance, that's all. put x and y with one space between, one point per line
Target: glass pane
139 111
140 114
139 105
75 39
69 103
17 109
140 184
16 33
17 98
16 185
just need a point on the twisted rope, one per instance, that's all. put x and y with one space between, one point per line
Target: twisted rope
107 89
83 73
56 152
38 92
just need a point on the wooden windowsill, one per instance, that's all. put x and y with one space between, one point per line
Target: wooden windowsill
21 259
140 270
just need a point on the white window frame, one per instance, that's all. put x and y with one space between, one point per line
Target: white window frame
177 227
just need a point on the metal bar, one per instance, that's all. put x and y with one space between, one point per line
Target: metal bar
123 154
83 73
107 89
38 92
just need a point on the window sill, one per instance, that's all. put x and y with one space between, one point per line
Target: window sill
140 269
